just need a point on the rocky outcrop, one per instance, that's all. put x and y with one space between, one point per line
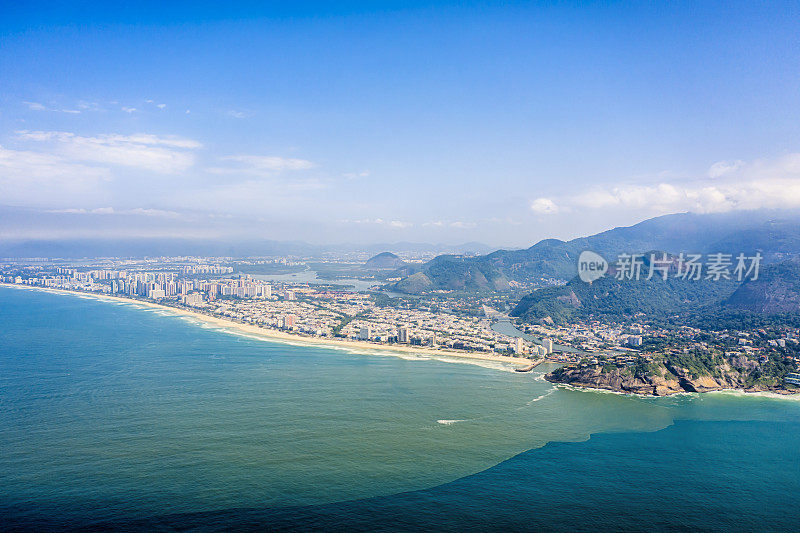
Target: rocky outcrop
677 380
616 380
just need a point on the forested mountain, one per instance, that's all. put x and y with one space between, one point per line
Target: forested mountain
775 234
777 290
613 298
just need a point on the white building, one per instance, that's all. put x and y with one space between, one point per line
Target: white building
193 300
402 334
156 294
519 345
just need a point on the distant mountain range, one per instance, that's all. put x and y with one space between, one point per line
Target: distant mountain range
140 247
775 234
776 291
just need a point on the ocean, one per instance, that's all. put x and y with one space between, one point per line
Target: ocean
116 416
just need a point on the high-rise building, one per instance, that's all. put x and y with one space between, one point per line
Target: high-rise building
402 334
634 340
365 333
548 345
519 346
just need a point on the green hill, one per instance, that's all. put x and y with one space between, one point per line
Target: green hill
610 298
450 272
384 260
776 234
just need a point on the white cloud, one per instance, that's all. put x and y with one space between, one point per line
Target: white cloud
129 110
729 186
544 206
36 165
237 114
161 106
167 155
35 178
356 175
88 106
721 168
456 224
394 224
139 211
462 225
257 195
154 213
36 106
261 166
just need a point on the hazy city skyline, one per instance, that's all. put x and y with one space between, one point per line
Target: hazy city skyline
355 124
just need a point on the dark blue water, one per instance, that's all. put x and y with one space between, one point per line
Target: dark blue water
115 417
693 476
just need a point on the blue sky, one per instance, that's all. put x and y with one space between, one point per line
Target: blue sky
442 122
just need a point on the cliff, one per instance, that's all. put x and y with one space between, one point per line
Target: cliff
665 378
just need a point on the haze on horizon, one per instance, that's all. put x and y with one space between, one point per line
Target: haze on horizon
501 123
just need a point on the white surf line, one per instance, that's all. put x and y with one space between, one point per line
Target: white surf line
300 342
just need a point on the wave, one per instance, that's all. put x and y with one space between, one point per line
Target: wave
545 395
766 394
448 422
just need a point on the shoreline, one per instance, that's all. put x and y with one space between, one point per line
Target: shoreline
276 335
581 386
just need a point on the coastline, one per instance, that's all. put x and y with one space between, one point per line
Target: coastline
367 348
655 393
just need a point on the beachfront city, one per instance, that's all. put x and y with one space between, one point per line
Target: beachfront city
322 310
399 266
447 322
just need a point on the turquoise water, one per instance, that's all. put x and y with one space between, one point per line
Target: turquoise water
124 416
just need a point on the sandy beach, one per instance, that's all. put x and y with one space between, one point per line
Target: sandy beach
360 346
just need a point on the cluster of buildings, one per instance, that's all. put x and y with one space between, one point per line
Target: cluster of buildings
154 285
594 336
299 308
441 321
356 316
